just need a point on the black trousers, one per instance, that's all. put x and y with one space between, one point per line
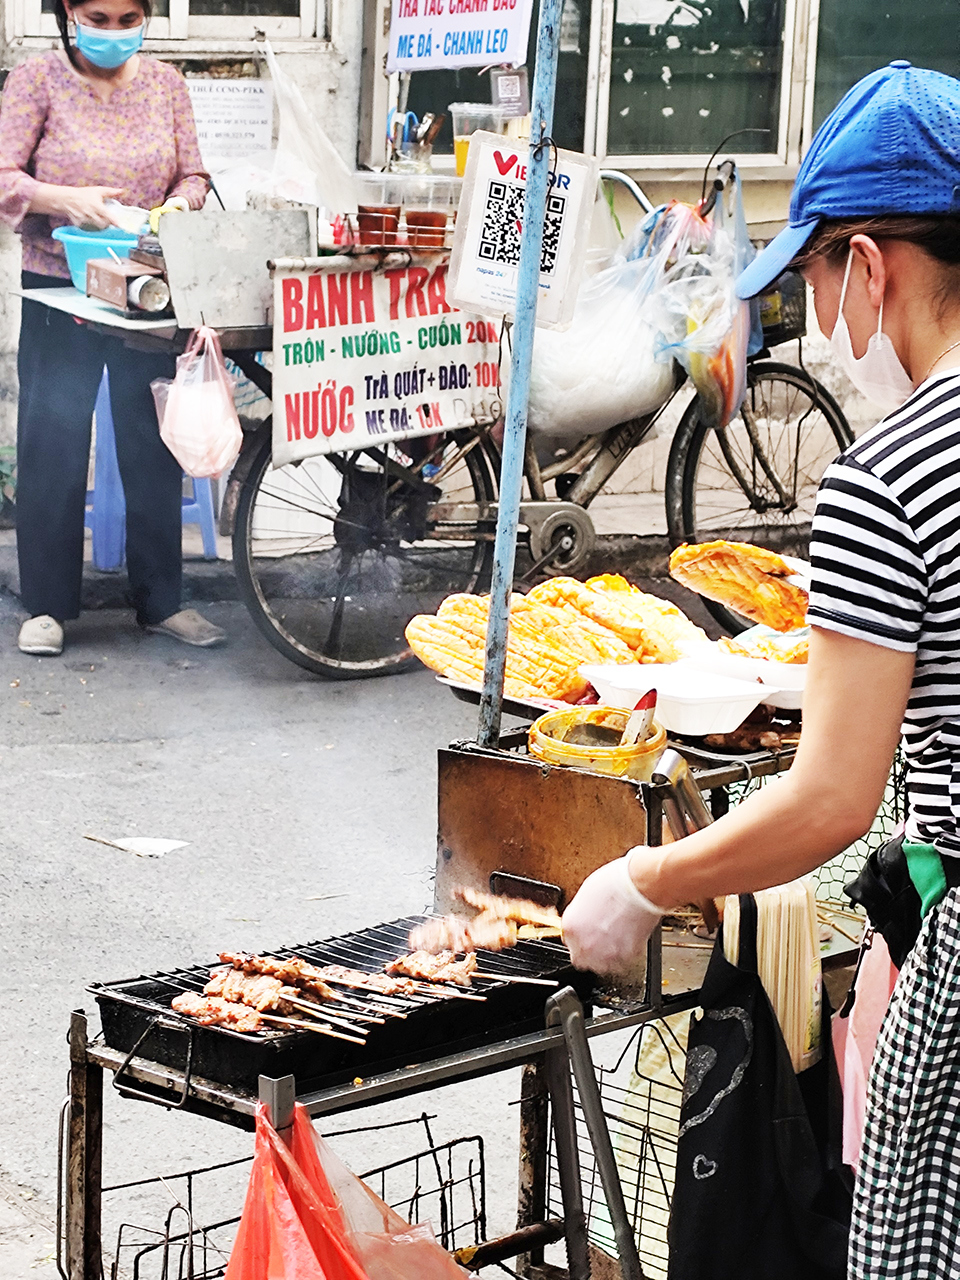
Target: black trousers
60 364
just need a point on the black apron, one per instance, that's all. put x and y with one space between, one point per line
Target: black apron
760 1193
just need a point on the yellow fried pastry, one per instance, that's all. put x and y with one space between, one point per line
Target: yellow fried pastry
782 648
750 580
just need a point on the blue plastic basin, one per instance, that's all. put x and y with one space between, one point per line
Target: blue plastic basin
81 245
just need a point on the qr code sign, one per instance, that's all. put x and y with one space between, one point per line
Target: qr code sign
503 222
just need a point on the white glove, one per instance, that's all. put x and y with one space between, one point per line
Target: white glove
607 924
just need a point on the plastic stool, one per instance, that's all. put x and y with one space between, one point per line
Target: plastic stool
199 510
106 513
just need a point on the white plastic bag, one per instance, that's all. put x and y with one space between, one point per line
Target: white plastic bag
198 421
308 168
603 369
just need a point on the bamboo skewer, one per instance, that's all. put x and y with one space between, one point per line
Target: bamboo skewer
303 1025
824 918
318 1011
503 977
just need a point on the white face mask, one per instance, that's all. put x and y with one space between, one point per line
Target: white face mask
878 374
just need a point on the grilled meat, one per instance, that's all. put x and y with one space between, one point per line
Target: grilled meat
517 909
214 1012
364 981
444 967
261 992
294 971
452 933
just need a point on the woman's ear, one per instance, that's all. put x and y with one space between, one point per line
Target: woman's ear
870 255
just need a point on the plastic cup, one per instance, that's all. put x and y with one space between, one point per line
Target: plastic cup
467 118
378 210
428 204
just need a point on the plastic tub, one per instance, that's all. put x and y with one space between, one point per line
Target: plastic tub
636 762
81 245
786 680
689 700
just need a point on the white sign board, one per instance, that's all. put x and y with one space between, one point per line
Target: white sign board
360 357
486 241
427 34
234 119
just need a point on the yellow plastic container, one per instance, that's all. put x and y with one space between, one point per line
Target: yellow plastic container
636 762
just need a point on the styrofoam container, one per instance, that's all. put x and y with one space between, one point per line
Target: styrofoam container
689 700
786 680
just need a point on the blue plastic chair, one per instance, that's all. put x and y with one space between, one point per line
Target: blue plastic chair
106 513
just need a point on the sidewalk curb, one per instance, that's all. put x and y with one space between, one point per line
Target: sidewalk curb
208 581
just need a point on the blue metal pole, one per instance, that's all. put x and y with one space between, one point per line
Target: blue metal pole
515 432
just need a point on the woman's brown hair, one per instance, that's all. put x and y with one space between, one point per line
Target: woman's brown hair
60 12
937 236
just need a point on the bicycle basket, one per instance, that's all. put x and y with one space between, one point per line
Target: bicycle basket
783 309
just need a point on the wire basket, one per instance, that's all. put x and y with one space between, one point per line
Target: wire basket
641 1095
783 310
444 1184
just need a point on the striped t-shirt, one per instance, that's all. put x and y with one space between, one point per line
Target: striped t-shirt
886 568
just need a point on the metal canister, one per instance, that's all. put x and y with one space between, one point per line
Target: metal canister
148 293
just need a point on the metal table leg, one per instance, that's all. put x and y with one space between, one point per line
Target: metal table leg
82 1173
532 1189
565 1010
557 1071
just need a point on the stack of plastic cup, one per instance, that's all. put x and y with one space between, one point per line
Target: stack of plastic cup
467 118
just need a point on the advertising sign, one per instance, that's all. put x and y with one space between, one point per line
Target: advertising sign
428 34
363 356
486 241
234 119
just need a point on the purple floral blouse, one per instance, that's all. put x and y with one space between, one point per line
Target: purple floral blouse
53 128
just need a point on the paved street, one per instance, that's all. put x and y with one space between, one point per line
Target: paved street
309 807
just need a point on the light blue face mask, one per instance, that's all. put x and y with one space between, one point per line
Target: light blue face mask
109 49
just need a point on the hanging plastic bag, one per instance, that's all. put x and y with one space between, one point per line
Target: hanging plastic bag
308 168
705 325
198 420
307 1217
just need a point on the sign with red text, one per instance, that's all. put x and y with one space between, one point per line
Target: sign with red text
363 356
485 256
427 34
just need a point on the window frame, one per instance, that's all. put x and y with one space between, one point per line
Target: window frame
317 24
797 76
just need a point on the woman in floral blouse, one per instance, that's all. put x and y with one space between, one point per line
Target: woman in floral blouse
92 122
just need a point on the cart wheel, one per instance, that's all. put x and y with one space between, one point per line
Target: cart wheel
757 479
335 554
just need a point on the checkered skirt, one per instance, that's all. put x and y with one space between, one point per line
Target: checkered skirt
906 1213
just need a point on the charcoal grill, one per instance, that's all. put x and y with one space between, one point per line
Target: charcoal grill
540 833
137 1019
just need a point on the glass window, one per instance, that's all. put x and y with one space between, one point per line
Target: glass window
435 90
686 73
857 36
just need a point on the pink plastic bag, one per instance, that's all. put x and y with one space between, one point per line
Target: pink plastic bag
307 1217
198 420
855 1039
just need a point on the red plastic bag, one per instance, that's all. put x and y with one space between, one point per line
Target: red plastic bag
198 420
307 1217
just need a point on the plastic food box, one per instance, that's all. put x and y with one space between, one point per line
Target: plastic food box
690 701
786 680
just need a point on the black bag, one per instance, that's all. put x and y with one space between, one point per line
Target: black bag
887 894
761 1192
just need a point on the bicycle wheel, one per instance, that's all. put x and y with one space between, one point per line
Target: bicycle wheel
755 480
335 554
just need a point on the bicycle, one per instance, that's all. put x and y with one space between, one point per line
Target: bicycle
334 554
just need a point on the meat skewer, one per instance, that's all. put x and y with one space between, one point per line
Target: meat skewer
294 971
520 910
442 967
264 993
213 1012
453 933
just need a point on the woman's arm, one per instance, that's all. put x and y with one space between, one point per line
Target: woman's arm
853 706
192 180
854 703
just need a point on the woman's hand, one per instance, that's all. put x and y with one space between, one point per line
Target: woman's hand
81 206
607 925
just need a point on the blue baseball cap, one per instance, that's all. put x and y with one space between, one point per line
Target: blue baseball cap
891 146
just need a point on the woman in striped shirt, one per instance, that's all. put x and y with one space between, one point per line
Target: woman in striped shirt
875 227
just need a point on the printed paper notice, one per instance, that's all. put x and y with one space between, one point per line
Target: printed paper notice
427 34
234 119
